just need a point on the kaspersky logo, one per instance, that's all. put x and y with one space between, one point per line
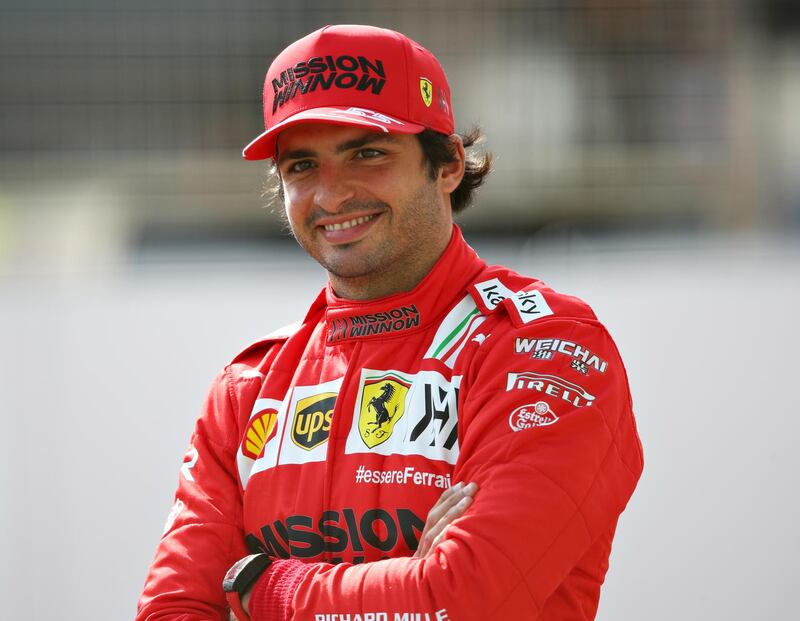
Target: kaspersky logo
312 420
383 401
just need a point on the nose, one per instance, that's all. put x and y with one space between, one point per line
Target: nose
333 189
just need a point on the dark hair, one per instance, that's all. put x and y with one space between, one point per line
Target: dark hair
437 150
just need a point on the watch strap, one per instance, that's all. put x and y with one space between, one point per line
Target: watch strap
240 577
235 603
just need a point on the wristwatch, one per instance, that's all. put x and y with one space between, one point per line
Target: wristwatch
240 577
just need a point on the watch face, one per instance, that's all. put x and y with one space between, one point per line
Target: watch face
244 572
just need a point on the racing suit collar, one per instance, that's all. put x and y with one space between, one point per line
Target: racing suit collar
409 311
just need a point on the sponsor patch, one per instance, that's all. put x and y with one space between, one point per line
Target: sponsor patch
422 410
379 615
402 476
545 349
189 462
426 90
443 105
302 428
536 414
326 72
372 324
261 437
338 532
550 385
312 420
493 292
260 430
383 401
531 305
176 510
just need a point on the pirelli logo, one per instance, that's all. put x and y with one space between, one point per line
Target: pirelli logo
552 386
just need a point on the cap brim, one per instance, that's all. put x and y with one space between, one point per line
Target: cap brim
263 147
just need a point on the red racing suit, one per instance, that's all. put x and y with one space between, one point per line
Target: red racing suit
326 446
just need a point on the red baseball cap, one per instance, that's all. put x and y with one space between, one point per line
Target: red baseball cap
354 75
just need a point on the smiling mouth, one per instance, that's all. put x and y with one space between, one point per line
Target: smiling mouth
340 226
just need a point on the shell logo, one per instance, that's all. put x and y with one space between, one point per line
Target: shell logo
260 431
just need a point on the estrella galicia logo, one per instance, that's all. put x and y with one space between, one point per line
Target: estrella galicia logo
328 72
536 414
382 405
312 420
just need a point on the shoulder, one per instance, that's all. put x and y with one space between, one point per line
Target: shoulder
540 345
526 318
254 360
523 300
498 302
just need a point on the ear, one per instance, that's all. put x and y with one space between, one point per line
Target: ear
451 174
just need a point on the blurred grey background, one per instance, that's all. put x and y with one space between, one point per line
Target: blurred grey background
647 157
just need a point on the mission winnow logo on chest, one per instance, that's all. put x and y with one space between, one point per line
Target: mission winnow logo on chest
371 324
326 72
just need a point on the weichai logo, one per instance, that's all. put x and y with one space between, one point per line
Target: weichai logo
260 430
326 72
338 532
312 420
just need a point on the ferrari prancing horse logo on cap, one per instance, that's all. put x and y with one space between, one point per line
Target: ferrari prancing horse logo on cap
426 89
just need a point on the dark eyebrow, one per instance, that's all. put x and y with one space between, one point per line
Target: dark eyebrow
297 154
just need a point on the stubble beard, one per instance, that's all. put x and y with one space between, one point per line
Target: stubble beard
405 254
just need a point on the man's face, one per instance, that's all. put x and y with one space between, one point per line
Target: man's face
363 205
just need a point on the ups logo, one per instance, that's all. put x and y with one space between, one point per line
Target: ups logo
383 402
312 420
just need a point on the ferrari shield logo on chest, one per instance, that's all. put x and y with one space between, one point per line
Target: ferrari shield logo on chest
383 402
312 420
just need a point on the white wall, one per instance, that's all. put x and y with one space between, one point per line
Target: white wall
103 373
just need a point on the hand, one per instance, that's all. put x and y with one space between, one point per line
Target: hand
452 504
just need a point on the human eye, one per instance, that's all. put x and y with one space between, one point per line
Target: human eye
298 166
368 153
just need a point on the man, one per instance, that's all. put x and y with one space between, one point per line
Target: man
420 382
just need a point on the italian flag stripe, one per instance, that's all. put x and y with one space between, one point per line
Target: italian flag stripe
454 333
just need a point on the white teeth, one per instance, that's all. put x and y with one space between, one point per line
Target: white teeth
349 224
